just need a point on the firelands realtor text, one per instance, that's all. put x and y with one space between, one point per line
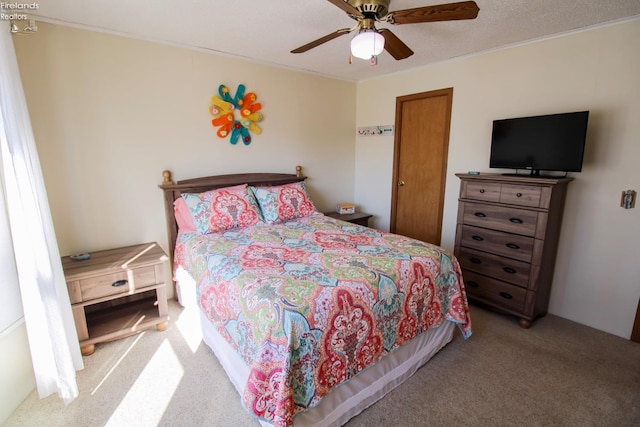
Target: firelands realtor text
16 11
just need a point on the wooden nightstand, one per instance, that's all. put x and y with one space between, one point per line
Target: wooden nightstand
359 218
117 293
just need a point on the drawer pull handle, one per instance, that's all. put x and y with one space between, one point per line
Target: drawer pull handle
475 260
509 270
516 220
477 238
518 194
506 295
119 283
512 246
482 191
480 214
472 284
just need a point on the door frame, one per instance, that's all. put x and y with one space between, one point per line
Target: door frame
400 100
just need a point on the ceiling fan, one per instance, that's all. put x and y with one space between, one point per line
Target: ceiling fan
368 12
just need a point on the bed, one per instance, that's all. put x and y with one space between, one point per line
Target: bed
313 319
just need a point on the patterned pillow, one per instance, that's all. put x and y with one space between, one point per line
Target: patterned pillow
183 216
222 209
281 203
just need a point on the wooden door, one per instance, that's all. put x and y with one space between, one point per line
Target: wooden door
420 164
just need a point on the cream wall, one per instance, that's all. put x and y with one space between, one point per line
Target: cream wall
110 113
597 276
16 370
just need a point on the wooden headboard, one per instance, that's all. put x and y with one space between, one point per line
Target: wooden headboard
198 185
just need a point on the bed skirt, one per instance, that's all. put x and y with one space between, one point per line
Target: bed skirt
352 397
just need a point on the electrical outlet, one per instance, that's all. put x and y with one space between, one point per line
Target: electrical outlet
628 199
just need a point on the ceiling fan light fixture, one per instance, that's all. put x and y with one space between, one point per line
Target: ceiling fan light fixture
366 44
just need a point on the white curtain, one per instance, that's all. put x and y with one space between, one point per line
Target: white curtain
48 318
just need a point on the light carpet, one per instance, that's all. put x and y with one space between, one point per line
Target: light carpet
557 373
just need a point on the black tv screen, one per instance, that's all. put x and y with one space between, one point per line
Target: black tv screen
553 142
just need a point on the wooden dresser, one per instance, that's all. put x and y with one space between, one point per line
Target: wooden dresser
507 238
117 292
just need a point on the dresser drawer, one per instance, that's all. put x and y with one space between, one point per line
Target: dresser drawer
506 269
523 195
511 220
489 192
117 283
497 242
495 292
507 245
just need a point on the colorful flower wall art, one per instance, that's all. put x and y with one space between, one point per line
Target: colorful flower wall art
223 108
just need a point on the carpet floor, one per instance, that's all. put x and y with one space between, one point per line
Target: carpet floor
557 373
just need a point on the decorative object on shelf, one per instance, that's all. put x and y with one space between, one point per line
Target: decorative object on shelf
379 130
223 108
345 208
29 28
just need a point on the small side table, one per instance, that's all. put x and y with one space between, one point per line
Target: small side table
359 218
117 293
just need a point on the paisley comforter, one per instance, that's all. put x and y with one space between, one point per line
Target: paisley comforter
310 303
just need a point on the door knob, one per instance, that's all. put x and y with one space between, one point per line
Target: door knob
400 183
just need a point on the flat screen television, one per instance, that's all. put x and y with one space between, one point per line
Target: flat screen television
553 142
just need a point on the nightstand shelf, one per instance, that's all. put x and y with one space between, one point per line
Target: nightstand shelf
359 218
117 292
129 315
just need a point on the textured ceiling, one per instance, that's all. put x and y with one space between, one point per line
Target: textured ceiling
266 31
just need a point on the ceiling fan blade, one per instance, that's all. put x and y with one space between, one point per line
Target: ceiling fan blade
441 12
342 4
321 40
394 45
